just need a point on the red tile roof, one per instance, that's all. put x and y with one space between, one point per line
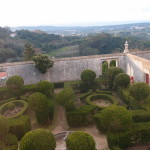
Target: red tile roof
3 74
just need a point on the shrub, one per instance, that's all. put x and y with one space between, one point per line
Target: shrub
139 91
19 126
6 93
84 87
104 92
122 80
38 102
83 96
15 82
4 128
113 118
38 139
11 140
88 76
65 96
11 106
83 116
80 141
111 73
140 115
46 88
29 89
42 62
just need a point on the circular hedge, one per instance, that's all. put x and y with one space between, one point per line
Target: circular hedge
122 80
80 141
106 97
39 139
15 82
11 104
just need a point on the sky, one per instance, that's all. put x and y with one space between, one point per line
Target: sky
72 12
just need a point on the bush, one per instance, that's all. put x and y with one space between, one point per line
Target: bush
111 73
113 118
140 91
15 82
84 87
38 139
88 76
107 97
83 116
65 96
11 140
38 102
29 89
46 88
4 128
122 80
80 141
104 92
19 126
140 115
11 106
6 93
139 134
128 99
42 62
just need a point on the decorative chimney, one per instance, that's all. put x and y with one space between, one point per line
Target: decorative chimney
126 50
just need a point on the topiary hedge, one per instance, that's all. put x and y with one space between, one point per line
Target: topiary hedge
128 99
140 115
5 106
138 134
103 92
83 96
83 116
80 141
38 139
15 82
19 126
46 88
107 97
114 118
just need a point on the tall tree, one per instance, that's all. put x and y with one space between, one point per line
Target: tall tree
29 52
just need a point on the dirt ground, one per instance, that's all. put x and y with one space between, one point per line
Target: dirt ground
61 125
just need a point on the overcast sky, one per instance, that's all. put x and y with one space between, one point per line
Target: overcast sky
72 12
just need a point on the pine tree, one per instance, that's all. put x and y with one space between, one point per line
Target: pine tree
29 52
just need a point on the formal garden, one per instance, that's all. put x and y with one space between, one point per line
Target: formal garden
31 116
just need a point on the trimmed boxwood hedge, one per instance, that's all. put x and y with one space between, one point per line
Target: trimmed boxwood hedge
83 96
19 126
140 115
128 99
107 97
103 92
16 102
7 100
82 116
138 134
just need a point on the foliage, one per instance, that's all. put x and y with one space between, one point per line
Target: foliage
46 88
113 118
6 93
29 51
42 62
103 92
15 82
88 76
104 67
38 139
80 141
19 126
38 102
11 140
140 116
7 100
138 134
65 96
6 106
111 73
128 99
83 116
83 96
88 51
139 91
4 128
122 80
11 106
